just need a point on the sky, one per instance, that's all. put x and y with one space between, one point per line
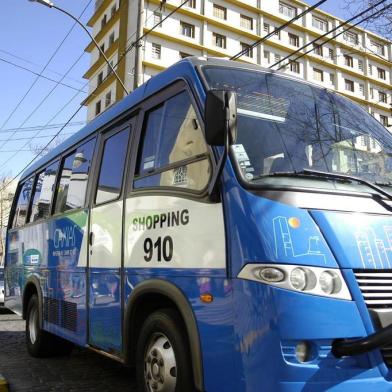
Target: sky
30 33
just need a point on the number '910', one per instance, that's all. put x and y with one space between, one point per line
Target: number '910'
163 248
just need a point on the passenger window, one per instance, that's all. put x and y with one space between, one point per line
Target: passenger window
44 188
172 135
112 167
23 204
71 189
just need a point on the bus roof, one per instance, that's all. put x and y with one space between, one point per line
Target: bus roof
184 69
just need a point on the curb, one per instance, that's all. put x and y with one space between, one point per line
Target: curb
3 384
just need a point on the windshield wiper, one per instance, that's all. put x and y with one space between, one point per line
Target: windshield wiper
335 176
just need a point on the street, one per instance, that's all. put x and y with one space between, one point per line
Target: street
83 371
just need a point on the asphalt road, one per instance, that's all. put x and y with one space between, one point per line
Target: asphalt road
82 371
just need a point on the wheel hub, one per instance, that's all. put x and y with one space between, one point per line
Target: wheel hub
160 369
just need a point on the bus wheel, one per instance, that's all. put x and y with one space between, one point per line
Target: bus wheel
41 343
162 356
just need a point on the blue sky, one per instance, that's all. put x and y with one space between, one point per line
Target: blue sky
30 33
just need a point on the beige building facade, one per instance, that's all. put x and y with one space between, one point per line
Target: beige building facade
358 63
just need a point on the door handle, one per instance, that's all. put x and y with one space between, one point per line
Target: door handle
91 238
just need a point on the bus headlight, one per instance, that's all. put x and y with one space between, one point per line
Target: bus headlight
330 282
303 279
326 282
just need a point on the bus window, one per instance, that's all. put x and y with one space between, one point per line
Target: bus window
71 190
23 204
44 187
173 137
112 167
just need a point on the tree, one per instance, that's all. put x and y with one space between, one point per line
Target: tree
381 23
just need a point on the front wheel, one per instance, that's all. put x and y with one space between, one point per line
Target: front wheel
41 343
162 355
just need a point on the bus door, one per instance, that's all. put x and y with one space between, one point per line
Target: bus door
105 244
170 224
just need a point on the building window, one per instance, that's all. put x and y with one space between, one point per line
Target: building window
362 89
108 99
348 61
382 97
267 56
295 66
320 24
318 50
277 32
109 69
360 65
350 37
219 12
332 78
371 92
191 4
113 10
219 40
293 39
246 22
266 28
99 78
287 10
103 21
384 120
377 48
188 30
349 85
157 18
102 47
156 51
111 39
248 50
381 73
277 58
318 75
331 53
97 108
370 69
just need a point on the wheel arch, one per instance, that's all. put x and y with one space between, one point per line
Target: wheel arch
32 287
140 305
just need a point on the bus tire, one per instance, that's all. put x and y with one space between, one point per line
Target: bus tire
40 343
162 354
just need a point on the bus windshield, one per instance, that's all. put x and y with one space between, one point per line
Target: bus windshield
286 126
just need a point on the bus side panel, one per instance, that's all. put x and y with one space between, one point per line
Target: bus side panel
215 321
55 251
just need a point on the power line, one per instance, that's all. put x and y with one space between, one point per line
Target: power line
39 65
40 75
42 127
29 138
66 124
80 106
326 34
288 23
43 69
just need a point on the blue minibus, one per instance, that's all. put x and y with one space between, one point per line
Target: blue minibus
222 228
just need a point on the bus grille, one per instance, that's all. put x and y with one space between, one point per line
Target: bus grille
61 313
376 288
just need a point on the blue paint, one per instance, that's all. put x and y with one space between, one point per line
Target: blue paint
249 333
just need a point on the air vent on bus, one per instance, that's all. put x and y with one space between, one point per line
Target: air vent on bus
376 288
61 313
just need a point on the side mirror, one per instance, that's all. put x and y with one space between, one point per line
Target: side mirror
220 117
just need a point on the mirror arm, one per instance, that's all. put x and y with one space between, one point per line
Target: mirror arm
213 189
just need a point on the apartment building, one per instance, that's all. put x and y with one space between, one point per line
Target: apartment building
358 63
